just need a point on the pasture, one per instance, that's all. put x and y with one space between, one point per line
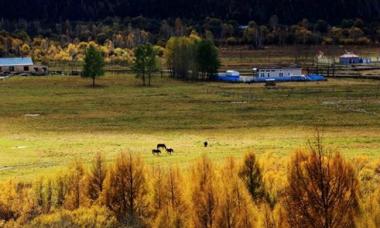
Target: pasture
47 122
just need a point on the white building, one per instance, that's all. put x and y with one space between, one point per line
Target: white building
12 66
277 72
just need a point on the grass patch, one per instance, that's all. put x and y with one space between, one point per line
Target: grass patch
74 121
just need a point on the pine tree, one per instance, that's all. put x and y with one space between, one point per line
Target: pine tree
93 64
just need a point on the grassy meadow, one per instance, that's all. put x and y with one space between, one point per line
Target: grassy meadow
47 122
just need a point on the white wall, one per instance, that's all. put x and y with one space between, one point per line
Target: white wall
280 72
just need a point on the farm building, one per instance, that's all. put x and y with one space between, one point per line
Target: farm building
14 66
283 74
277 72
350 58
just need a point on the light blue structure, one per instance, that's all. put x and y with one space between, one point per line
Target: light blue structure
5 62
229 76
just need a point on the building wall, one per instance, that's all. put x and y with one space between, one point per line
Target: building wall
23 69
353 60
279 72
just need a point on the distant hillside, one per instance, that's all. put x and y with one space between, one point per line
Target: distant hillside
288 11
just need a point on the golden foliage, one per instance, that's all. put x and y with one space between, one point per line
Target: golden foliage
125 190
321 191
236 206
205 197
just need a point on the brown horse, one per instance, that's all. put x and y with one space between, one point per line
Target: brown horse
170 151
161 146
156 152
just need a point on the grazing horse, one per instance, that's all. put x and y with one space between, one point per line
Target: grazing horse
170 151
156 152
161 146
205 144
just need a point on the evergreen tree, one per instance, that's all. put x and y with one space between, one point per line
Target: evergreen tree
207 59
93 64
145 62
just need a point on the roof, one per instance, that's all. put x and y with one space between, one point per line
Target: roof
16 61
349 55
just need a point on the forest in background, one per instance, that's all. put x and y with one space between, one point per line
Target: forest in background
57 41
288 11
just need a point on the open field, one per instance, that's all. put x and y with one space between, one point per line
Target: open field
48 122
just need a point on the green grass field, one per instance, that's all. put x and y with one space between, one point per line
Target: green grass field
47 122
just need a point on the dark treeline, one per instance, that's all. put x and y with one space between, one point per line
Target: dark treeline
242 10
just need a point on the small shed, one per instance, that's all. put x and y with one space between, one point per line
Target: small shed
21 65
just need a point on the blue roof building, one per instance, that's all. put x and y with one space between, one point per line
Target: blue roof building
21 66
7 62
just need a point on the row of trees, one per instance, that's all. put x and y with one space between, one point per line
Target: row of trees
65 42
189 58
192 58
321 190
46 50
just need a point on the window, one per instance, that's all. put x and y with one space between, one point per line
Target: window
26 68
262 75
11 68
268 75
281 74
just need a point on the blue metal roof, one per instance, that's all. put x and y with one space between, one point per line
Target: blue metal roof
16 61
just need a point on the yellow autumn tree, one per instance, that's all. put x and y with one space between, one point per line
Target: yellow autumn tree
126 190
204 194
236 207
169 199
322 190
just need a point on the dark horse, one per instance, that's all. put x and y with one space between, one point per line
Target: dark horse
161 146
170 151
156 152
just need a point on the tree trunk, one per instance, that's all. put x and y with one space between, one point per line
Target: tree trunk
143 78
149 79
93 82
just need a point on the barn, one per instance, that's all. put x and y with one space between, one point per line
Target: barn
15 66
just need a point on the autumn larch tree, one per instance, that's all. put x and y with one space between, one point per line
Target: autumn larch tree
205 197
250 173
125 190
322 189
171 207
96 177
236 206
